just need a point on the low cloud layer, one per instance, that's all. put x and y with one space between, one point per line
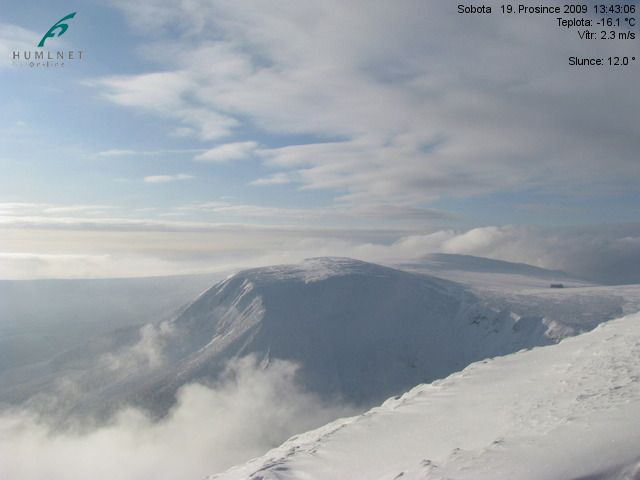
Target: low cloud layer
209 429
607 254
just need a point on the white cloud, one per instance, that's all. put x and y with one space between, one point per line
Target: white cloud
603 254
15 38
387 215
89 209
42 240
165 94
249 411
228 152
113 224
146 354
159 91
207 216
606 254
15 210
419 113
275 179
167 178
116 152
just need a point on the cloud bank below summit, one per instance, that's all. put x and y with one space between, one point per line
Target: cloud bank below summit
606 254
209 429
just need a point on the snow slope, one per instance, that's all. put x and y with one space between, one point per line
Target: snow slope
562 412
487 273
525 290
360 332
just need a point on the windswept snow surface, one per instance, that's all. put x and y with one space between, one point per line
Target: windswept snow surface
570 411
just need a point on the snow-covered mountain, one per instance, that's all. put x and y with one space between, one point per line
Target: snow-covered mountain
577 307
469 263
567 411
359 331
488 273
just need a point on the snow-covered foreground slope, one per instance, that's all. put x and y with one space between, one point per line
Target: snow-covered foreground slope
564 412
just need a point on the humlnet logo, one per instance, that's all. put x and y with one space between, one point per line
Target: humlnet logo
49 58
59 25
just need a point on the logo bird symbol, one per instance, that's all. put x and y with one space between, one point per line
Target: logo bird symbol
59 25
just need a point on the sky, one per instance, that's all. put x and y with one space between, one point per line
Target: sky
202 135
